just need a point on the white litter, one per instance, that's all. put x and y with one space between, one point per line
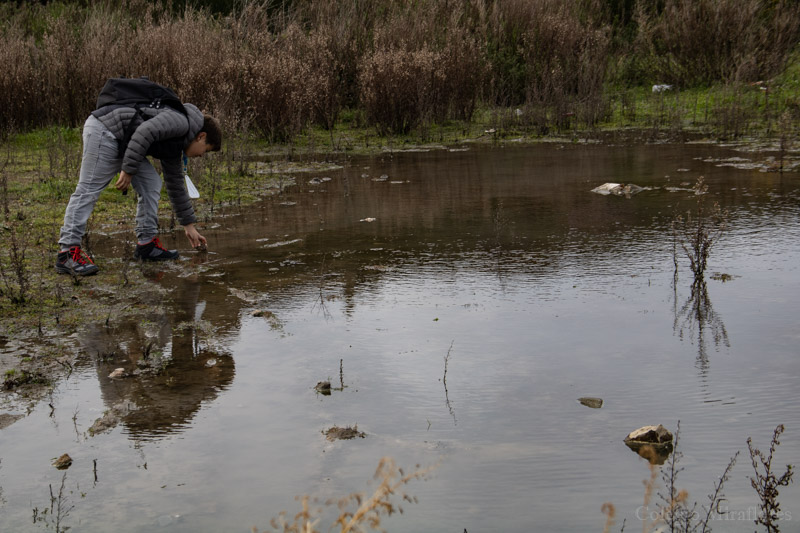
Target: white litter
619 189
607 188
191 189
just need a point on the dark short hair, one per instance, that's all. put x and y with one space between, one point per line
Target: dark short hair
213 132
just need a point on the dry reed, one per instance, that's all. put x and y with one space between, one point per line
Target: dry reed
279 67
369 509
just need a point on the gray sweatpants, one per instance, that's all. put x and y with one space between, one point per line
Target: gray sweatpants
98 166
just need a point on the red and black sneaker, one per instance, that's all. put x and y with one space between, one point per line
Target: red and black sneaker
154 251
75 262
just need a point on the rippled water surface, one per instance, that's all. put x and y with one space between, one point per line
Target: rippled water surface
459 307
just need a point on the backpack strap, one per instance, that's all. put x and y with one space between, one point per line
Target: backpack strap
129 129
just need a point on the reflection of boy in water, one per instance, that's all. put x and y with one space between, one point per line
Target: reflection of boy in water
166 400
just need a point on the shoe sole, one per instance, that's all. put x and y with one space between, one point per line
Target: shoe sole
155 259
71 272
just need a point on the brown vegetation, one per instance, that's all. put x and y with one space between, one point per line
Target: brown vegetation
702 41
358 511
279 68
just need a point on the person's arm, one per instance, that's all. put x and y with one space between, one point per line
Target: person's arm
179 198
167 124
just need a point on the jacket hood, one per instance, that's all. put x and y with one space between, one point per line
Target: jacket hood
195 118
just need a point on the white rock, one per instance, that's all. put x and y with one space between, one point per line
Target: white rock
607 188
650 434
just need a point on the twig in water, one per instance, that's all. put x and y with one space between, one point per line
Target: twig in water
75 423
59 507
321 300
446 359
444 382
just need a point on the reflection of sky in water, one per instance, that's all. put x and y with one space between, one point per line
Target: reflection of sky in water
546 293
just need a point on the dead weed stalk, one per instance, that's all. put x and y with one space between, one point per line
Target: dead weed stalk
699 231
369 510
14 270
766 483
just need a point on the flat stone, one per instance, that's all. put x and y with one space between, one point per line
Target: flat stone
594 403
337 433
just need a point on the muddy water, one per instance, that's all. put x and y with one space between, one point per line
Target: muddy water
459 308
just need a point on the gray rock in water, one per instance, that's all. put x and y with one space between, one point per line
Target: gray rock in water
653 443
650 435
594 403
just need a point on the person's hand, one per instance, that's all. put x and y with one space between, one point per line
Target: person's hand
123 182
196 240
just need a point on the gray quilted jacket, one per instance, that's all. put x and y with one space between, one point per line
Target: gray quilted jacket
167 132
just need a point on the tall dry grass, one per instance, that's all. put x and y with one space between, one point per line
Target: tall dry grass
693 42
423 65
277 67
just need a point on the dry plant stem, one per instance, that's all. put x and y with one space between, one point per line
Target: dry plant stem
717 496
444 383
648 493
608 510
370 509
60 506
446 360
17 280
675 513
766 483
698 233
670 476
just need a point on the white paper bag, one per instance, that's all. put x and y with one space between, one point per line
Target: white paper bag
190 188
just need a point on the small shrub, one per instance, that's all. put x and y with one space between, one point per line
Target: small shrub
699 231
766 483
279 85
399 87
14 271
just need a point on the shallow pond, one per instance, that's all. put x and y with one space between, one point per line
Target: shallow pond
459 308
